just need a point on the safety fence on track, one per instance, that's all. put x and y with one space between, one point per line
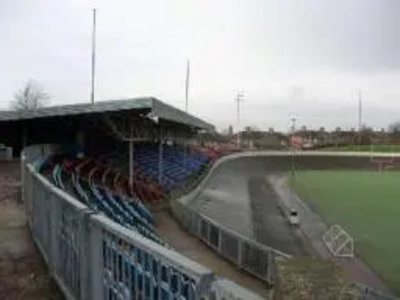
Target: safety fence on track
245 253
92 257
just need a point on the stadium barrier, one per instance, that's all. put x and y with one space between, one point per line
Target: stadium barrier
92 257
247 254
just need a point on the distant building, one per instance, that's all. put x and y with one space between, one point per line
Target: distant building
230 131
296 142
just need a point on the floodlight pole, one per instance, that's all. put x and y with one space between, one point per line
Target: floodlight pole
93 55
238 99
131 165
293 127
160 156
359 117
186 107
187 86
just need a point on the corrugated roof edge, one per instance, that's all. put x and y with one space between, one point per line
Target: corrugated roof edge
158 108
170 113
76 109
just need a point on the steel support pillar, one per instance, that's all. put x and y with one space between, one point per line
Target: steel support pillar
131 163
160 156
184 152
24 137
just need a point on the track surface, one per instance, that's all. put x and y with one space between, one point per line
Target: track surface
259 201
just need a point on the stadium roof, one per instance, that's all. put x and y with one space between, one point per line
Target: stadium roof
157 109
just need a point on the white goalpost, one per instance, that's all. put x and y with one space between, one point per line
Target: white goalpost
382 162
339 242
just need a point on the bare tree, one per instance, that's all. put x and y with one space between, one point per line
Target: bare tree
30 97
394 127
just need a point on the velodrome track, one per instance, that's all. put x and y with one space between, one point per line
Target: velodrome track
239 195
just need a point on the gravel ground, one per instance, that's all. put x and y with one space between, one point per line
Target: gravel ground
23 274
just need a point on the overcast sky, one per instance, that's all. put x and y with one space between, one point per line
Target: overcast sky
302 58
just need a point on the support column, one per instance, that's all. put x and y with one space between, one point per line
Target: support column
24 136
160 156
131 153
80 138
131 166
80 141
184 152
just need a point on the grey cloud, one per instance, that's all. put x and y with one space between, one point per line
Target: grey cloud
291 57
358 35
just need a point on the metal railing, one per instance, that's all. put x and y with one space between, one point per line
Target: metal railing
247 254
92 257
244 252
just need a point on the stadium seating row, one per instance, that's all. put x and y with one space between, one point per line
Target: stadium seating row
214 150
176 165
103 187
132 214
147 184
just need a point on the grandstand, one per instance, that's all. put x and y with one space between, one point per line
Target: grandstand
140 143
90 197
139 138
117 158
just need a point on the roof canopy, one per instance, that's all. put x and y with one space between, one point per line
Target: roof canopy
156 108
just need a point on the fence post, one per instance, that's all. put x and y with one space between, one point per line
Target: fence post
193 222
198 233
219 240
271 268
22 163
95 261
54 219
240 256
85 254
208 233
34 202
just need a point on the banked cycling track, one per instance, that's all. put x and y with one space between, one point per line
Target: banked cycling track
240 193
